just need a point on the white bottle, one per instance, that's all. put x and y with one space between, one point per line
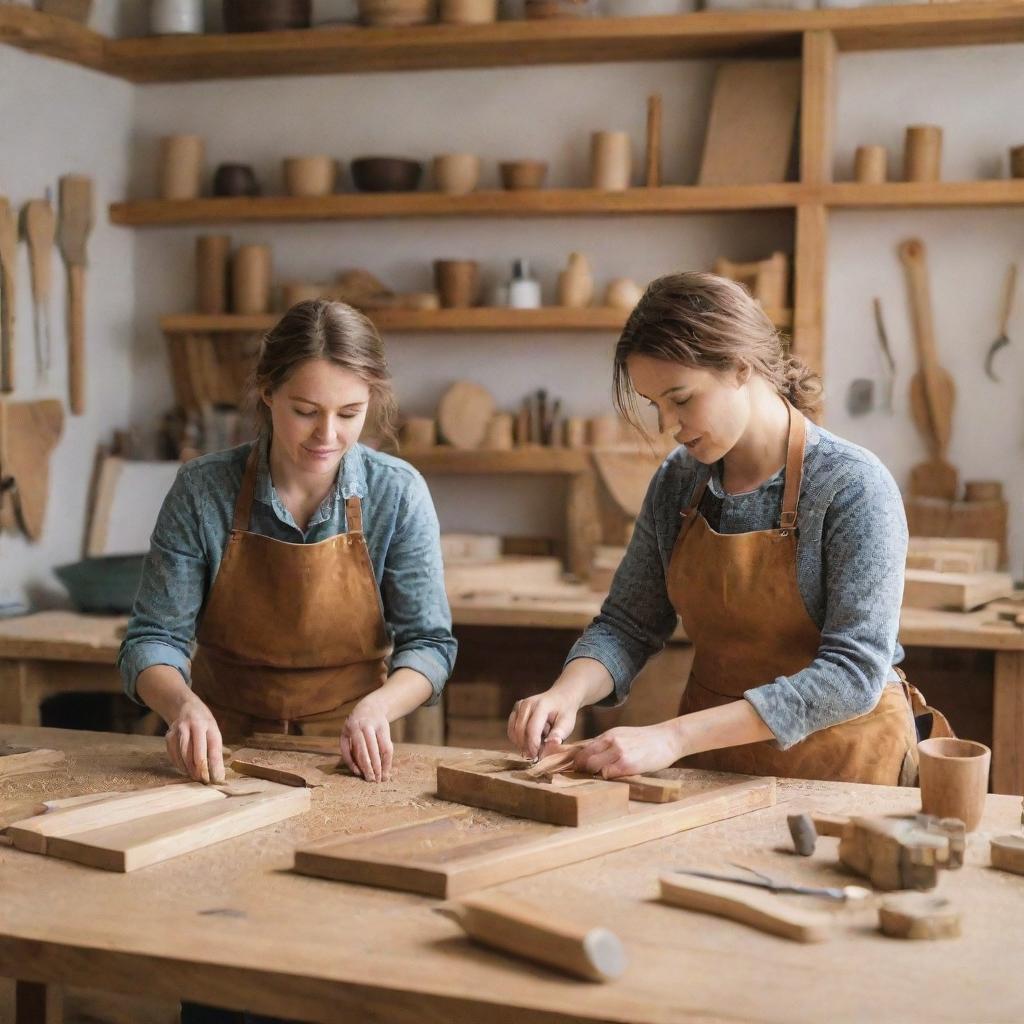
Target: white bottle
523 290
175 17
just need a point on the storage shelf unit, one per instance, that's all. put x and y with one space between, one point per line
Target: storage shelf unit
526 461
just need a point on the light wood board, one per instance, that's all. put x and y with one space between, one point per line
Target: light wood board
447 856
925 588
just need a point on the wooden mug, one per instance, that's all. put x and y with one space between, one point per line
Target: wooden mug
954 779
870 165
212 252
181 166
922 154
467 12
310 175
250 280
522 174
575 432
499 435
611 161
457 282
419 432
456 174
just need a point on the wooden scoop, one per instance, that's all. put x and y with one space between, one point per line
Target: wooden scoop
932 391
72 233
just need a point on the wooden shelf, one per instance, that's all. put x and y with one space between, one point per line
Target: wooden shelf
337 50
530 461
548 202
919 194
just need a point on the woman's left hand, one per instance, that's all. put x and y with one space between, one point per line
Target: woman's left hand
631 750
366 745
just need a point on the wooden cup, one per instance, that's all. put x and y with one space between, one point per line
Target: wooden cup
983 490
1017 162
310 175
468 12
870 165
457 282
181 166
604 431
522 174
922 154
250 279
954 779
419 432
212 252
456 174
611 161
499 435
576 432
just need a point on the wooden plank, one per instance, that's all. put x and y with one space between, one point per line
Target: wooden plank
446 858
1008 723
925 194
953 554
809 279
62 636
817 107
925 588
584 804
30 762
37 1003
153 838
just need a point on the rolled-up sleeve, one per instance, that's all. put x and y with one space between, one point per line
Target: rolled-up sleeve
864 540
637 617
412 589
174 582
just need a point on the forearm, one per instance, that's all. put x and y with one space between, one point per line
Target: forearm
163 689
404 691
585 681
729 725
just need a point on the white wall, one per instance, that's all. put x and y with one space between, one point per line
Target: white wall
60 119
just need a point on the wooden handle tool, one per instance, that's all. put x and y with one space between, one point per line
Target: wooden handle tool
40 227
74 225
8 291
535 933
760 910
652 170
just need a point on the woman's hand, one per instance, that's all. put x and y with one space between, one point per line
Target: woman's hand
632 751
543 721
366 745
194 742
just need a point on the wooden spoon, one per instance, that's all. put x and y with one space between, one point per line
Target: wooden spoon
72 232
932 391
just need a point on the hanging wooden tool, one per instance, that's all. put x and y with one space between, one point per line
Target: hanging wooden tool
8 292
74 225
40 227
29 431
932 391
1003 339
652 162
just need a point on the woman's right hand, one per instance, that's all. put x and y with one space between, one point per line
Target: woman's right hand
543 721
194 743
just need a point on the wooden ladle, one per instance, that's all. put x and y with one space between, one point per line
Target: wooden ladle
932 391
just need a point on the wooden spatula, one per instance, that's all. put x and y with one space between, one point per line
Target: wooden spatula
8 290
40 226
932 391
72 233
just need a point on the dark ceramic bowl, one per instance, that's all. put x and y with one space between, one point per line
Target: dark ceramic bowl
235 180
266 15
386 174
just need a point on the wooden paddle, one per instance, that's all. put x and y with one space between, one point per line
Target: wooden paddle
932 391
72 233
40 227
29 431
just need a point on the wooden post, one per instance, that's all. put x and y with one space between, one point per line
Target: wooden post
1008 723
19 700
582 522
38 1003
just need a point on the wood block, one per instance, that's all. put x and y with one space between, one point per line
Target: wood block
953 554
286 775
503 574
583 804
1007 853
30 762
963 592
478 700
299 744
447 857
935 517
751 126
761 910
916 915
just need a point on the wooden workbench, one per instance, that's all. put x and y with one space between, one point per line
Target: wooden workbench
232 925
55 652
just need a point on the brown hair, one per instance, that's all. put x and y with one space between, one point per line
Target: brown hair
319 329
712 323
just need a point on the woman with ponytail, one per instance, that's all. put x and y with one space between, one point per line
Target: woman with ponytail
779 545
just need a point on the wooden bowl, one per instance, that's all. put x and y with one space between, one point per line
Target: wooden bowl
386 174
468 12
266 15
397 13
520 174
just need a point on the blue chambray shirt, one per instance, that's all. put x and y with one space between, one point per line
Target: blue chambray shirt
851 554
192 530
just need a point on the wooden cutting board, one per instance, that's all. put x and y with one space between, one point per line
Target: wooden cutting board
463 413
29 431
451 855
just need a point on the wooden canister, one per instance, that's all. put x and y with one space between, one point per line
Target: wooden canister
983 490
212 252
922 155
250 279
309 176
499 434
870 165
954 779
611 161
419 432
575 432
604 431
457 282
181 166
1017 162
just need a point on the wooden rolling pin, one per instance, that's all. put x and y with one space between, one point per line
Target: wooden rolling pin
761 910
536 933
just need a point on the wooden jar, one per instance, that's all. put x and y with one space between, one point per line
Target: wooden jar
576 283
181 166
922 155
310 175
870 165
1017 162
522 174
954 779
456 174
611 161
419 432
457 282
499 436
250 280
212 252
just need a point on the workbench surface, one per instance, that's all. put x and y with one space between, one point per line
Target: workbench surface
232 925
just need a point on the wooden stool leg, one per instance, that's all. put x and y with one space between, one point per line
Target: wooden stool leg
37 1003
19 700
1008 723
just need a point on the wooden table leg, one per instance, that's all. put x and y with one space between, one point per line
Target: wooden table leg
1008 723
37 1003
583 524
19 699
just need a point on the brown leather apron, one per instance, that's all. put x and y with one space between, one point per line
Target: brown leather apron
293 635
740 603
